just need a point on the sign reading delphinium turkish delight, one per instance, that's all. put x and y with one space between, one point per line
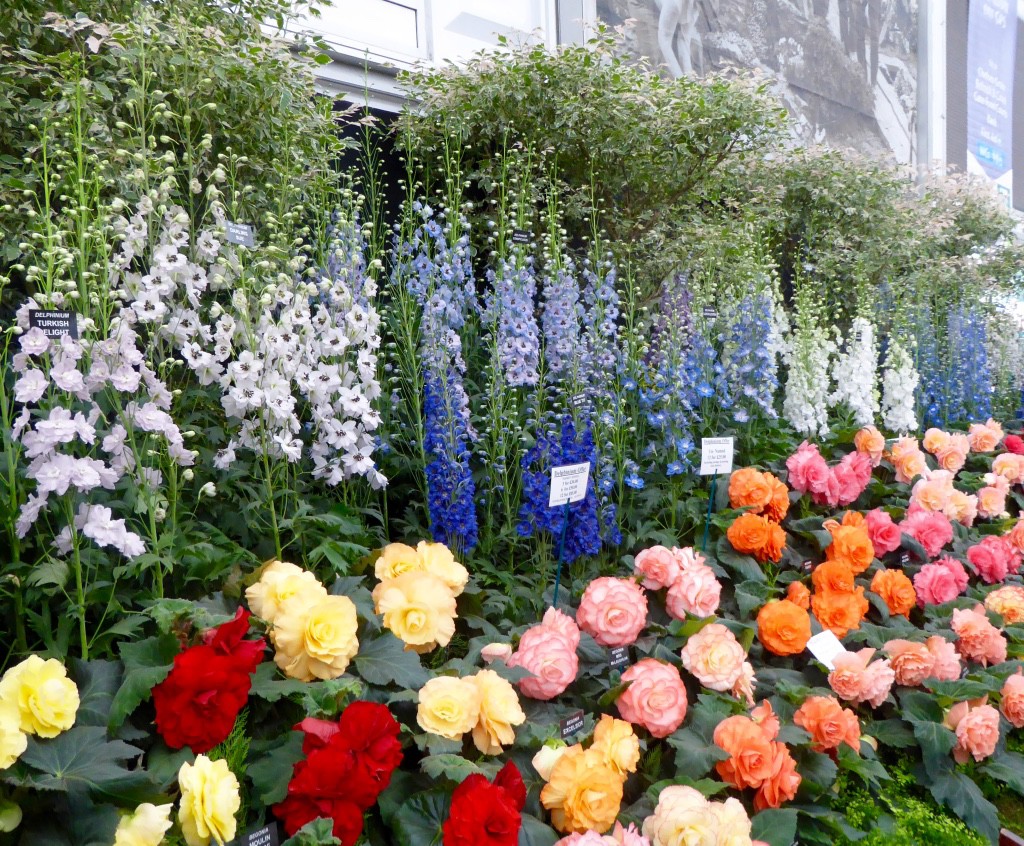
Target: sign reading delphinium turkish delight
239 233
715 456
568 483
54 324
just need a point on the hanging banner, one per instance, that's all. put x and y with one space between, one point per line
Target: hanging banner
991 49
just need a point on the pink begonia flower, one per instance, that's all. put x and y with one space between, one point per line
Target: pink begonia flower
932 530
979 640
808 471
947 659
883 532
1012 699
613 611
852 475
911 662
856 679
551 657
562 623
715 657
993 557
977 733
695 591
655 698
658 565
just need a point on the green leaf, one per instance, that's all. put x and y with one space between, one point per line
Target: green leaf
271 772
146 664
1007 767
871 772
936 742
319 832
694 755
97 682
707 786
775 826
915 705
267 685
892 732
959 689
751 595
449 766
384 661
418 822
816 767
82 759
532 832
963 796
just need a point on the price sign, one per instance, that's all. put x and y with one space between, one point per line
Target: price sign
54 324
825 646
715 456
264 836
239 233
520 236
571 724
618 657
568 483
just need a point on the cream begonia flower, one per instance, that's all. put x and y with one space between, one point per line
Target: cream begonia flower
418 608
438 559
500 711
281 583
316 641
396 559
145 827
46 699
448 707
209 802
13 740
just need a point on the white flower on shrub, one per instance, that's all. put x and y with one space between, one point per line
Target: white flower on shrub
899 382
855 373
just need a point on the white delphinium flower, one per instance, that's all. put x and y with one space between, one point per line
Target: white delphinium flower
855 373
899 382
808 352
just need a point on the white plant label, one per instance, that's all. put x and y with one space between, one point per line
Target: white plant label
239 233
568 483
715 456
825 646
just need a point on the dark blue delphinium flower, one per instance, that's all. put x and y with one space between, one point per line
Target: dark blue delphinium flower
970 377
583 536
931 389
449 479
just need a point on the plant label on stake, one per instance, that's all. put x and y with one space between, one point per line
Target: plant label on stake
826 647
264 836
710 312
716 456
618 657
520 236
568 485
239 233
571 724
54 324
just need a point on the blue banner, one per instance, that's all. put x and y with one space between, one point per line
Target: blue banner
991 50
